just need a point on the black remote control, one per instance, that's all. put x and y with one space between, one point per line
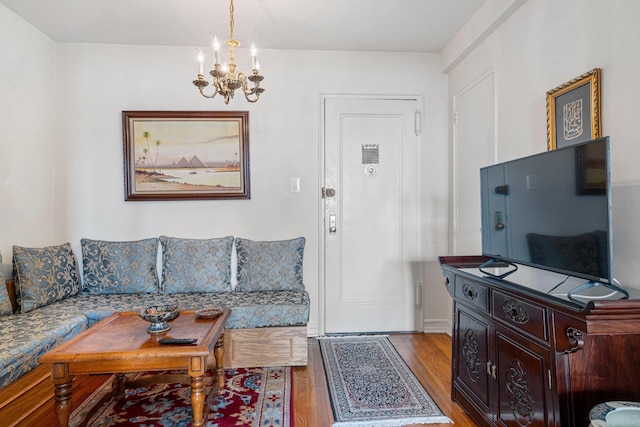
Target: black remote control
178 341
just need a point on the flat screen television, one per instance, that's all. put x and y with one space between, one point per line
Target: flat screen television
552 211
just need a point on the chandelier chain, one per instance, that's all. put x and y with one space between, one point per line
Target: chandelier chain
231 10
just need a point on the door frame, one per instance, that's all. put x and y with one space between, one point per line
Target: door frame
322 301
455 208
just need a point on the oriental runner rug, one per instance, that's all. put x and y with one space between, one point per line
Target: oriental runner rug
370 385
252 397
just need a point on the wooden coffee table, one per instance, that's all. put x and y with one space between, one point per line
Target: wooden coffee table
120 344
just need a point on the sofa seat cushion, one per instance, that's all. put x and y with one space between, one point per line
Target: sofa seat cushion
97 307
254 309
26 337
249 309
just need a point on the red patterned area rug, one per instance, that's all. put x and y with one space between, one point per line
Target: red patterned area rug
252 397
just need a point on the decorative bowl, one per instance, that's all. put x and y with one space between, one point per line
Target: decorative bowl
209 312
158 316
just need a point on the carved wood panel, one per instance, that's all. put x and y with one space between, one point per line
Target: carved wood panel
472 354
521 383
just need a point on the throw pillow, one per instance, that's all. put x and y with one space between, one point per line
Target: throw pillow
119 267
5 302
195 265
45 275
270 266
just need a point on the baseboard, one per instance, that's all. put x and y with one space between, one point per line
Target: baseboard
313 330
437 326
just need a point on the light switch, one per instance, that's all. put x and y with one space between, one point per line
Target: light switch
532 182
295 185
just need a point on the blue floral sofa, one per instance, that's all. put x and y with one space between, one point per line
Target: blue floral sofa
53 302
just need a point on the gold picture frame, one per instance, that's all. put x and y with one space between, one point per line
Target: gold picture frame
186 155
573 111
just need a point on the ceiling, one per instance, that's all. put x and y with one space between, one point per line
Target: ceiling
357 25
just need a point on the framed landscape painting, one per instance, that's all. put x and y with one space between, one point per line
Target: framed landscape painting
186 155
573 111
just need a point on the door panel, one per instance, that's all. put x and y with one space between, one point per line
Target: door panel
522 384
372 163
474 147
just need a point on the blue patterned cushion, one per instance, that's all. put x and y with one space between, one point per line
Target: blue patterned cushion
27 337
45 275
96 307
270 266
191 265
119 267
5 302
248 309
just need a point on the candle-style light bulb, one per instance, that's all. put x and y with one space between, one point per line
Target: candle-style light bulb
254 56
216 51
200 62
257 66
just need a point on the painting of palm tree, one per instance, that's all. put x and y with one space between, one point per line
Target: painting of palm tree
194 155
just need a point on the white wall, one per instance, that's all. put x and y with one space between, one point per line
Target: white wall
97 82
27 93
546 43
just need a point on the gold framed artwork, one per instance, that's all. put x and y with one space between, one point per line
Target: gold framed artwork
186 155
573 111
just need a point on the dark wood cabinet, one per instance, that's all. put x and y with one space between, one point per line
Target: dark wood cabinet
525 357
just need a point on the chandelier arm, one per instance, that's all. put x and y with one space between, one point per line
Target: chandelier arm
201 83
213 95
255 90
252 92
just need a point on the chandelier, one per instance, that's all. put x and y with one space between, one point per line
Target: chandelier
226 77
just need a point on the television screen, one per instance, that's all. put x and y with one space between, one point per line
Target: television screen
551 210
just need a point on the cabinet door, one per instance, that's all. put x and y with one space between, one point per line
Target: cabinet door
523 397
472 355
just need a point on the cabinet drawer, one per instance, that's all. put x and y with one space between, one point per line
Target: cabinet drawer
520 314
471 292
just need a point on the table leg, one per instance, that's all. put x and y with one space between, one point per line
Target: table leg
118 386
218 352
197 372
197 400
62 383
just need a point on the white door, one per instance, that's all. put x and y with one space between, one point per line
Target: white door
372 220
474 147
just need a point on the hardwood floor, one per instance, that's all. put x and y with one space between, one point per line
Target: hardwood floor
428 356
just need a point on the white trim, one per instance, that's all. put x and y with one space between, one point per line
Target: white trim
437 326
312 330
454 147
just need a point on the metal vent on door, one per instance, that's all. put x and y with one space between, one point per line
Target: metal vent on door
370 154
